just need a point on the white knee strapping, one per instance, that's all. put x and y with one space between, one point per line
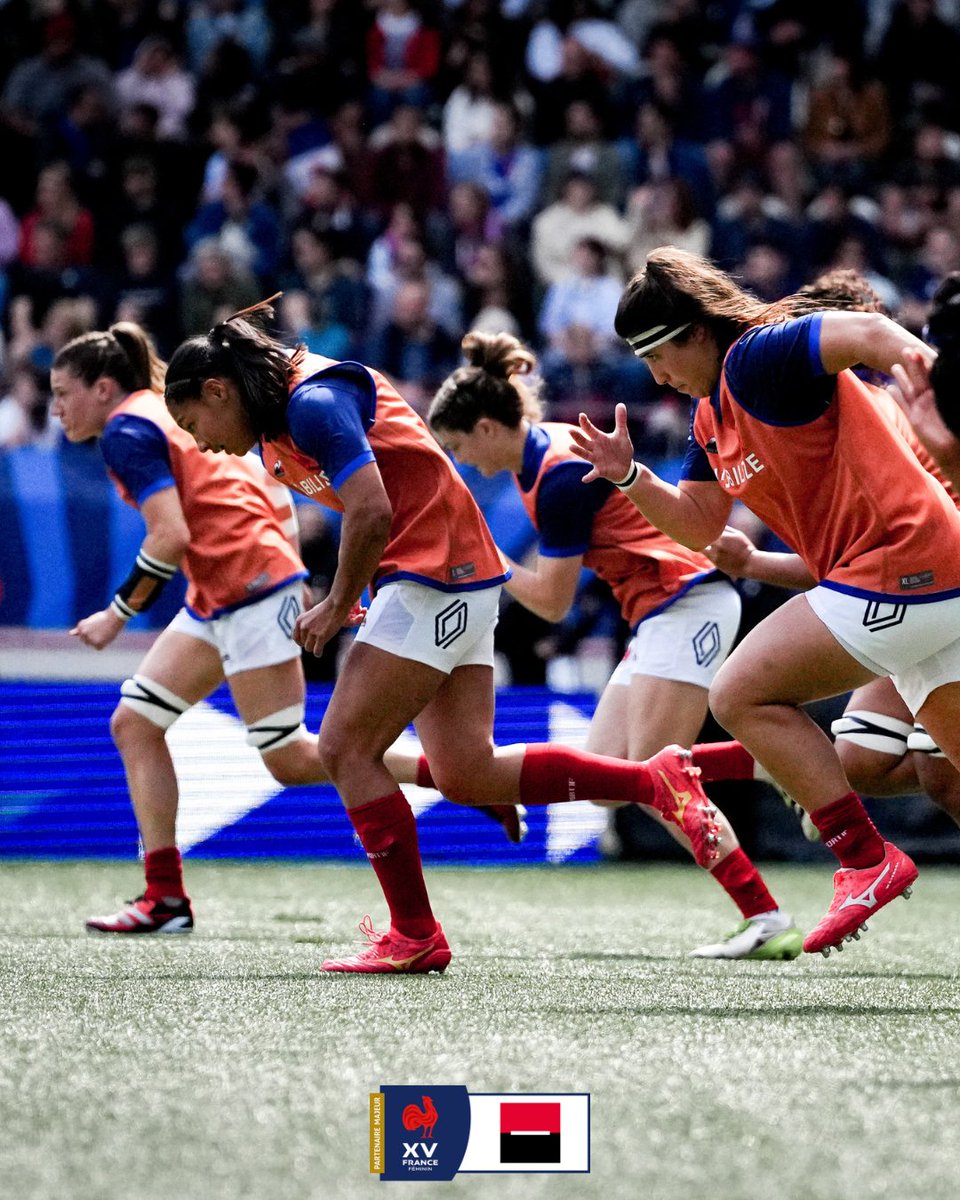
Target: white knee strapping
873 731
921 741
279 729
152 700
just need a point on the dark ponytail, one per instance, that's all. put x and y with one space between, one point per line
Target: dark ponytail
240 350
490 386
123 353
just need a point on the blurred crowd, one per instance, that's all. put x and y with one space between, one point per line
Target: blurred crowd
404 170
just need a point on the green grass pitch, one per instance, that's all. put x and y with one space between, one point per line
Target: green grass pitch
224 1065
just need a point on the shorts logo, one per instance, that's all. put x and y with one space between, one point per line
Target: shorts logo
881 614
287 616
450 624
706 643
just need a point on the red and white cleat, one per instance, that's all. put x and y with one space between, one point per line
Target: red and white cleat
858 893
678 795
393 954
146 916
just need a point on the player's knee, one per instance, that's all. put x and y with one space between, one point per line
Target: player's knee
293 765
340 750
146 711
727 699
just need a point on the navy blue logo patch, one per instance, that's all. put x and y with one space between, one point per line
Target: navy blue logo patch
287 616
706 643
450 624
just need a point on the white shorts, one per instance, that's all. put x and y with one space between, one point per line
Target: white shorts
688 641
258 635
441 629
917 645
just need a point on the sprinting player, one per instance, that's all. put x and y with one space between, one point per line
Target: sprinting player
884 752
782 423
683 615
340 433
229 527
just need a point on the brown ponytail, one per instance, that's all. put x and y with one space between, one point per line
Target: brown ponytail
123 353
490 386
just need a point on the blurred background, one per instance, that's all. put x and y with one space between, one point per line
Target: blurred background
406 170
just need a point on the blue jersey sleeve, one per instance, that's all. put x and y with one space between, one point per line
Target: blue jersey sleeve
775 372
328 419
138 454
696 466
566 508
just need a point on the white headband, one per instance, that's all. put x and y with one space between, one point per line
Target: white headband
650 339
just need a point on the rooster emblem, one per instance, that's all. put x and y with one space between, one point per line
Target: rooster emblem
415 1117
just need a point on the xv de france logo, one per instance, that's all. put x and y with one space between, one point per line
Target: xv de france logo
438 1131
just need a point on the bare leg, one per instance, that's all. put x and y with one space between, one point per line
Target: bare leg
789 658
190 669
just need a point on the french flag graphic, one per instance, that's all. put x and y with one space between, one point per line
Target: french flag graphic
530 1133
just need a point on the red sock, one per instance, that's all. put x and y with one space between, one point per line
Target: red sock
388 832
164 874
424 778
551 774
741 880
846 829
722 760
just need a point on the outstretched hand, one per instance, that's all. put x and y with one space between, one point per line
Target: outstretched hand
914 394
609 454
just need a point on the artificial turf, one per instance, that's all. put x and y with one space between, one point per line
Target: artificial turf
226 1065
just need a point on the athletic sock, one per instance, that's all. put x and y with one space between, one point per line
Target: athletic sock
846 829
164 871
551 774
388 832
742 882
424 778
723 760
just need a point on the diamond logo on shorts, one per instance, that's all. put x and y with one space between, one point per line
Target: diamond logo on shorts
287 616
706 643
450 623
881 614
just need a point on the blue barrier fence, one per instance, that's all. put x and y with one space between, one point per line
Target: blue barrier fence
63 793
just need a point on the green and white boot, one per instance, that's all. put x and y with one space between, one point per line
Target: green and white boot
770 935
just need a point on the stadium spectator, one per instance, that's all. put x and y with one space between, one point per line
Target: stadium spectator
411 264
917 59
507 167
468 111
406 165
656 153
412 350
212 24
39 89
403 57
213 284
334 288
588 296
144 292
584 148
57 204
576 215
246 227
664 213
24 408
848 123
472 225
156 78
